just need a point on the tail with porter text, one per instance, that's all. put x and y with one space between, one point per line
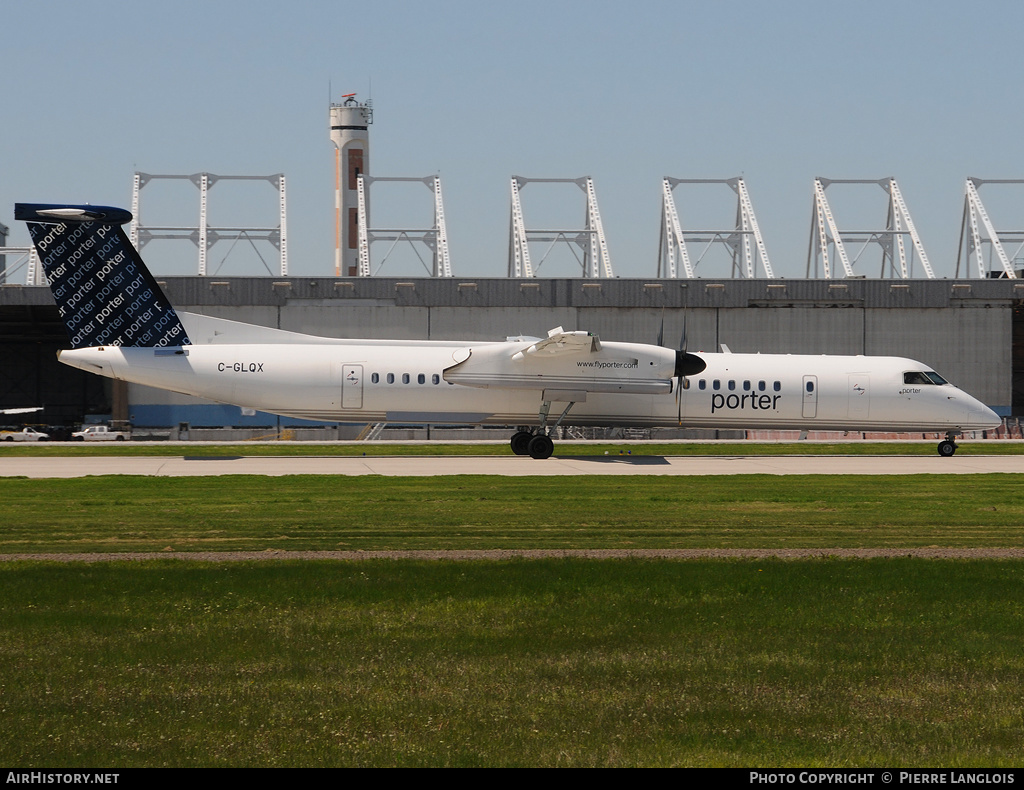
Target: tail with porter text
102 288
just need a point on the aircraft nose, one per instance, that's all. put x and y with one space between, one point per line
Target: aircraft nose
980 417
985 415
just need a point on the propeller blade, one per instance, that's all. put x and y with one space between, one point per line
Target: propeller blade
686 365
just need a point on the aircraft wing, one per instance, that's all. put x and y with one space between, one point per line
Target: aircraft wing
565 362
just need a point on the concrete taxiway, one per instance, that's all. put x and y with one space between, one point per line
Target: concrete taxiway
427 466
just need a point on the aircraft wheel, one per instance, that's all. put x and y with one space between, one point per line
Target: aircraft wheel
521 442
946 449
541 446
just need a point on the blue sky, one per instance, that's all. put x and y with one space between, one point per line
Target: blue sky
779 92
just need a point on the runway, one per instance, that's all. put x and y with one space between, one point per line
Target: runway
512 466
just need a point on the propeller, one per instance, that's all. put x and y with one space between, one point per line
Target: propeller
686 364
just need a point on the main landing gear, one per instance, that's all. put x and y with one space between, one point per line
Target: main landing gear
948 446
535 445
538 445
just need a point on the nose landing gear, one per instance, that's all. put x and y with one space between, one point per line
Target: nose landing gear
948 446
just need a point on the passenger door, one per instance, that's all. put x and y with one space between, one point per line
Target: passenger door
859 394
351 386
810 390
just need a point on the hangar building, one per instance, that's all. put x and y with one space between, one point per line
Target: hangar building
971 331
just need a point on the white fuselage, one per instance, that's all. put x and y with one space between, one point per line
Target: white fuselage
620 384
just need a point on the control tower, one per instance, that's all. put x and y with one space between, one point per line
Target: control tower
350 123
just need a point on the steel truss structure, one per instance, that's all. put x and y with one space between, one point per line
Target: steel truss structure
589 240
825 234
27 257
743 240
202 235
434 238
977 231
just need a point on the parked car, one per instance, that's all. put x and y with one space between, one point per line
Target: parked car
100 433
59 433
24 435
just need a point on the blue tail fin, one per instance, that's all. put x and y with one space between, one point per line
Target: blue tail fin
103 290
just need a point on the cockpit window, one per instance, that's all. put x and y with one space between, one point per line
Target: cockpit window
923 377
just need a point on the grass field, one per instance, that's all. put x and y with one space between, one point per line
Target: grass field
547 662
317 512
827 662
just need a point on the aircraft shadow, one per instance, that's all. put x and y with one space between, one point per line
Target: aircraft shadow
632 460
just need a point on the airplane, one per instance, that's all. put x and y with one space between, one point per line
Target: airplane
121 325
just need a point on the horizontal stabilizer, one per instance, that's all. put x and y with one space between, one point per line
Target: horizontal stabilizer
48 212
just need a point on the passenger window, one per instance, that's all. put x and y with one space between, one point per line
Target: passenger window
405 378
761 386
375 378
391 378
686 383
777 386
421 379
435 379
732 385
716 385
702 385
810 386
746 386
